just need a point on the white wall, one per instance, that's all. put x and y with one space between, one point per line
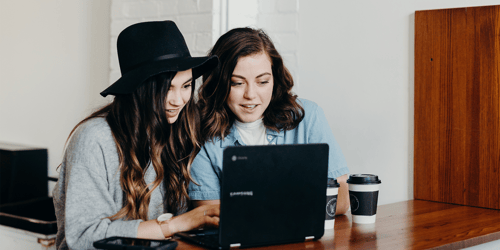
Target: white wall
54 61
278 18
356 61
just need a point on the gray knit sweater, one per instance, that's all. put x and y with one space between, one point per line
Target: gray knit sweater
89 190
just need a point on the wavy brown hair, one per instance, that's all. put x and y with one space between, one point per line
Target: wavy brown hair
283 113
144 138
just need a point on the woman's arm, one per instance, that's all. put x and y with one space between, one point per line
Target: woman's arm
206 171
343 202
203 216
197 203
85 195
319 131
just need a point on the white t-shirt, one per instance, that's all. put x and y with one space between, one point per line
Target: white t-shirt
252 133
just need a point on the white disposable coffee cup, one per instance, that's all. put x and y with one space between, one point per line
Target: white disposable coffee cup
363 196
332 191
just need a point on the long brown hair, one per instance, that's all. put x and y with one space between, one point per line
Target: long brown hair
283 113
143 137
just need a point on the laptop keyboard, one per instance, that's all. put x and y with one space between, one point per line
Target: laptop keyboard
208 238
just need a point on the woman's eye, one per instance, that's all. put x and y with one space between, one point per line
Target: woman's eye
264 82
187 86
235 83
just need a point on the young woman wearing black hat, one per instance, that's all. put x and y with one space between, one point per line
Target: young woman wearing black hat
128 164
247 100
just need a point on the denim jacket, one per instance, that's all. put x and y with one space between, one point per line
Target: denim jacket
206 169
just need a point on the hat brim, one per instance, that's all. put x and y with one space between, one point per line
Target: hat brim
132 79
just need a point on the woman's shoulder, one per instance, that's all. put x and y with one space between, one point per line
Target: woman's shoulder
94 130
90 146
213 144
97 126
308 105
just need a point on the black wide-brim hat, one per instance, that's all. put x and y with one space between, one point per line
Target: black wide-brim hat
150 48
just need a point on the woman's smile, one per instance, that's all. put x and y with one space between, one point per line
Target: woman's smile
249 106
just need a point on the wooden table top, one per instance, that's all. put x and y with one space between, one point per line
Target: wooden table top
413 224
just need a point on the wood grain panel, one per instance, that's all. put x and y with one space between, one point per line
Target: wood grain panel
457 131
457 115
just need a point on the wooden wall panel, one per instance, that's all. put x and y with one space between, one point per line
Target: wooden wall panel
457 113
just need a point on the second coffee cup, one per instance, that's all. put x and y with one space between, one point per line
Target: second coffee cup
363 195
332 190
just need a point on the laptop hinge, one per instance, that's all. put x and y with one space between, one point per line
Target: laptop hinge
235 245
309 238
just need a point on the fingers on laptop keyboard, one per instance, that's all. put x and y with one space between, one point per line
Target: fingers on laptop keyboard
211 214
213 210
211 221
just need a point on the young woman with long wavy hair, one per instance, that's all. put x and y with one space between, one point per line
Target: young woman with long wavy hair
247 100
128 164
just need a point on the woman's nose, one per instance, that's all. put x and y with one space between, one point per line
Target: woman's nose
249 91
174 98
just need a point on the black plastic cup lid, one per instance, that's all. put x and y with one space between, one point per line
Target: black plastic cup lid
332 183
363 179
